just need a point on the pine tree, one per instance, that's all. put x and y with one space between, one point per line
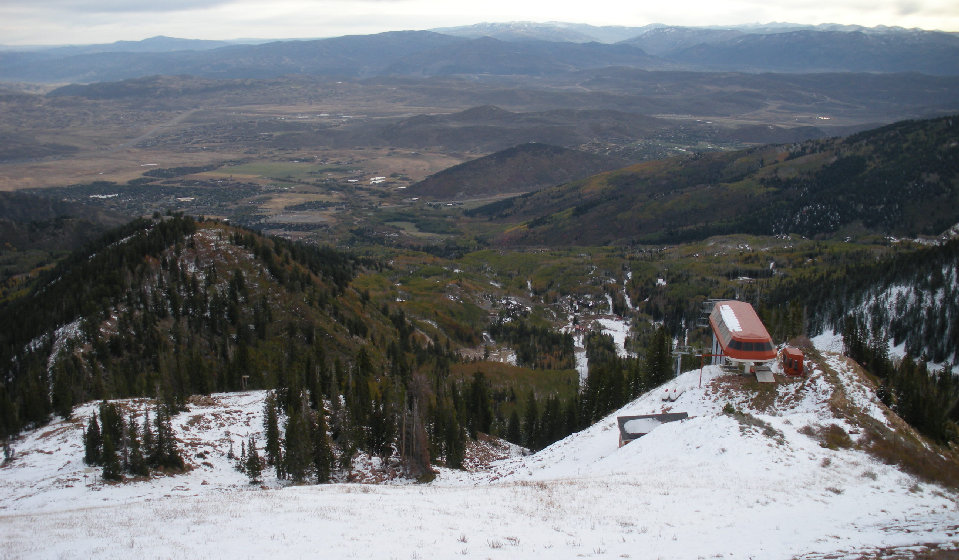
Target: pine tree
298 448
382 427
322 449
149 442
63 387
455 442
113 426
530 422
111 423
658 363
253 465
552 421
165 453
272 428
513 433
570 417
853 339
797 318
479 409
137 464
111 462
92 442
414 441
9 420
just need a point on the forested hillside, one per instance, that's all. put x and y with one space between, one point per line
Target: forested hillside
899 318
171 307
523 168
910 301
911 305
902 179
35 231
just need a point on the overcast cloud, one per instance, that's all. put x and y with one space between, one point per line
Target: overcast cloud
104 21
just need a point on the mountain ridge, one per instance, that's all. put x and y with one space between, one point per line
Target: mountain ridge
430 53
898 179
522 168
228 295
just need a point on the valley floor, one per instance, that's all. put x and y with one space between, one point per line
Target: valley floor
713 486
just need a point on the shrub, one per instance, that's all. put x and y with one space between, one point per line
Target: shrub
834 437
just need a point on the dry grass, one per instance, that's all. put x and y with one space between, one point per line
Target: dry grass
901 446
763 397
483 451
921 551
910 455
204 400
833 436
748 421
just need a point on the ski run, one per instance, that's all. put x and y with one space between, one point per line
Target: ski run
711 486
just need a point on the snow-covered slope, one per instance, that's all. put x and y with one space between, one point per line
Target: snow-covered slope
751 485
918 312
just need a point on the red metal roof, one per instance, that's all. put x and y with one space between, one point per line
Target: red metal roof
750 325
794 353
740 332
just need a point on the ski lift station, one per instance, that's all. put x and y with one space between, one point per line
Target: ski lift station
739 335
741 339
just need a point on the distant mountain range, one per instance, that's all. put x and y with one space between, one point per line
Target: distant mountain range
583 33
505 49
549 31
156 44
819 51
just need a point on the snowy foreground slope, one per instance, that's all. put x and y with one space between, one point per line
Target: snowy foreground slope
713 486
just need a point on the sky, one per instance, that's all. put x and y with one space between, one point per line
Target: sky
29 22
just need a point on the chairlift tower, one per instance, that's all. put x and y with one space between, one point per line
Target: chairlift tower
705 308
678 353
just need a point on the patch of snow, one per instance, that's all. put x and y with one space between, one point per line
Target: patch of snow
828 341
729 317
582 362
61 338
629 303
859 395
619 330
641 425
